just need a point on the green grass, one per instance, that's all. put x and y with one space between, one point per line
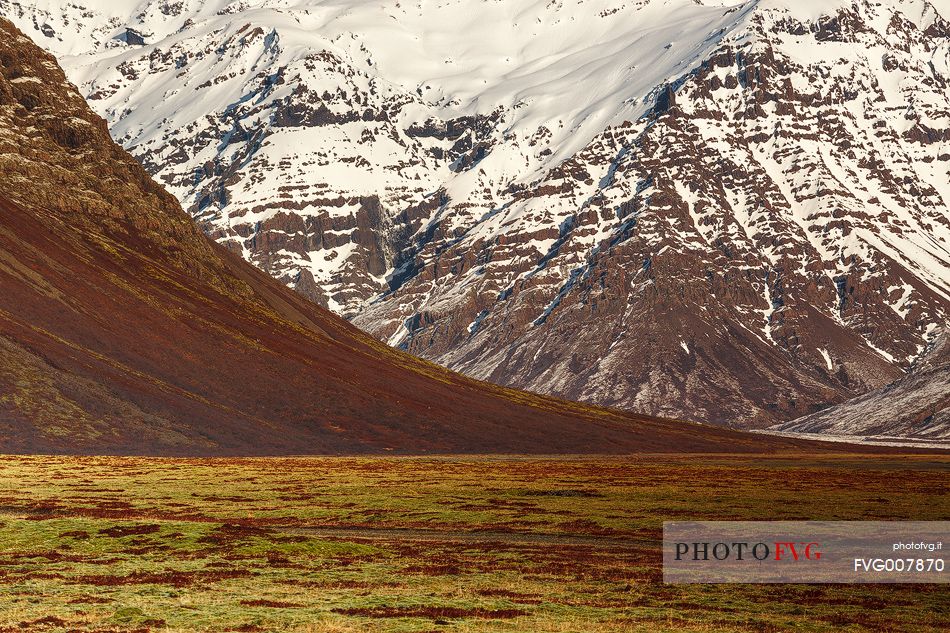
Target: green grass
430 544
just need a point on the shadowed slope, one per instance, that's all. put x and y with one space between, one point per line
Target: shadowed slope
123 329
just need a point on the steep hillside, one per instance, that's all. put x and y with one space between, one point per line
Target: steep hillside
727 213
124 329
916 406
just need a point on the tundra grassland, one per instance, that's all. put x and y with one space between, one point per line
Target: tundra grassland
433 544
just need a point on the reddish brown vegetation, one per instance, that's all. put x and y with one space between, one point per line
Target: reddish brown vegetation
76 534
230 533
433 612
276 604
172 578
129 530
433 570
48 622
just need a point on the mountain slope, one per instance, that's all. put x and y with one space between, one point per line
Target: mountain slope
727 213
123 329
916 406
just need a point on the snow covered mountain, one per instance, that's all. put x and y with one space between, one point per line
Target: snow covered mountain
915 407
726 212
124 330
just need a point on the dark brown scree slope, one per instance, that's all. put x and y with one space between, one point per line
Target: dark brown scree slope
124 330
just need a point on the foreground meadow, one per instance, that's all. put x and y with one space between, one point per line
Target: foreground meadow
432 544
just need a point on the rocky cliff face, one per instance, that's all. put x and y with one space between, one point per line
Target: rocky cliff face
736 214
123 329
914 407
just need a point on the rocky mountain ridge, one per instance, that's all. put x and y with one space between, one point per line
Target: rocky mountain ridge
726 213
915 407
125 330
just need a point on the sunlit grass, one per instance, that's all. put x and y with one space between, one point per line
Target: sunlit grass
423 544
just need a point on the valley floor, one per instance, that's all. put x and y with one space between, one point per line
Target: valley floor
432 544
